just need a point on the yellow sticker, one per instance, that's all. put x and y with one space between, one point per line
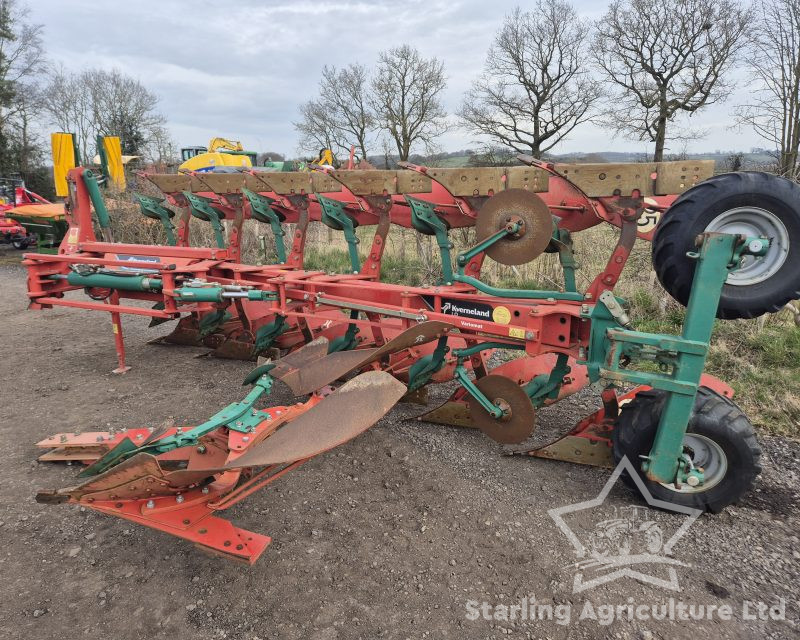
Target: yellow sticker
514 332
501 315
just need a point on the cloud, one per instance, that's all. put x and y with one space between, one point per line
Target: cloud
240 70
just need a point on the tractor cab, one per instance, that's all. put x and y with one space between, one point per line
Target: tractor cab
187 153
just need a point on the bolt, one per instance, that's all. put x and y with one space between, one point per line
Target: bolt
239 423
246 439
138 436
204 490
150 504
179 498
201 449
529 335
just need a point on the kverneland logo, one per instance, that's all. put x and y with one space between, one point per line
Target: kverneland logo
455 309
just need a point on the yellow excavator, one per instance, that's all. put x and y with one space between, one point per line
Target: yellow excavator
220 152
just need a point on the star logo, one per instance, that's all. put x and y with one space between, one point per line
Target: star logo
632 538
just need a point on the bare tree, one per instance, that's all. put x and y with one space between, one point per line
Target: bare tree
107 103
122 106
21 59
67 102
340 116
406 98
774 63
316 127
665 57
535 88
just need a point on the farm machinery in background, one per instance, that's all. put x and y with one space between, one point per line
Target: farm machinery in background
724 246
220 152
29 220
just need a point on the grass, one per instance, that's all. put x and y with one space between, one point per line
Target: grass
762 364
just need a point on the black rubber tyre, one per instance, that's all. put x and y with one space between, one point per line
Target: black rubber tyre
715 418
19 244
693 212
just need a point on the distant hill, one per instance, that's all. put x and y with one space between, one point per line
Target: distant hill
464 158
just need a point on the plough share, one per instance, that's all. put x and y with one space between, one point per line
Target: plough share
678 426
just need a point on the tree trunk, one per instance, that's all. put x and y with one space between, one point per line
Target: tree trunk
661 137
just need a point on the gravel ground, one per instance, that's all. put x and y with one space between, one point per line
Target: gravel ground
388 536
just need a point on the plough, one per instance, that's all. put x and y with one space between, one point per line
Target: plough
723 246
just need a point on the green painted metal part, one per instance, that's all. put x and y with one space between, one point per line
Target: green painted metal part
461 375
153 208
680 359
464 258
348 340
517 293
97 199
425 220
463 378
267 334
203 210
334 216
210 322
547 385
144 283
110 281
421 371
261 210
238 416
566 257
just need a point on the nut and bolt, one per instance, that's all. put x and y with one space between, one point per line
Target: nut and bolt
179 498
150 504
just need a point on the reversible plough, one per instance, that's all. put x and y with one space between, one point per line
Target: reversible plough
691 444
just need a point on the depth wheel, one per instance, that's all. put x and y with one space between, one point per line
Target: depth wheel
749 203
719 438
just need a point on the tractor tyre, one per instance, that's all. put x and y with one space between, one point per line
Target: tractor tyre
749 203
719 438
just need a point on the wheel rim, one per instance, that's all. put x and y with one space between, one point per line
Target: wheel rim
754 222
704 453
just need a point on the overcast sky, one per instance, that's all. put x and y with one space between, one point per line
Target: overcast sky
241 69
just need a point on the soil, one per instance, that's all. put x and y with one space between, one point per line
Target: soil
388 536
